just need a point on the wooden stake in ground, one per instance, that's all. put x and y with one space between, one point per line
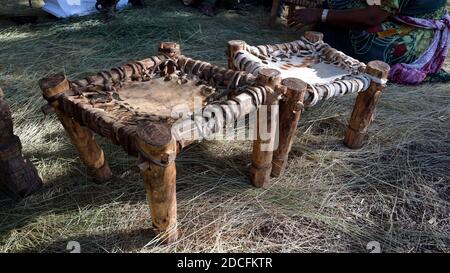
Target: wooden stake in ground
263 147
364 110
90 152
157 152
290 111
17 175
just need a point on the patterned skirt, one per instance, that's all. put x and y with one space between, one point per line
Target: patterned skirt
391 41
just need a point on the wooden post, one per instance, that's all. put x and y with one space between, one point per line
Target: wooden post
157 152
364 109
314 36
17 175
90 152
170 49
173 51
290 111
233 47
274 12
263 148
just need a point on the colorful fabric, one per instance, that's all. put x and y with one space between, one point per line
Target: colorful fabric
432 59
441 76
392 41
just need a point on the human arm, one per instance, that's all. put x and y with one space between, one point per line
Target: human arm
353 18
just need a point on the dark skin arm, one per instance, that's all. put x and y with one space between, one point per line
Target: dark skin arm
355 18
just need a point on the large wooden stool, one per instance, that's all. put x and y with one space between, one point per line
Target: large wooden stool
139 106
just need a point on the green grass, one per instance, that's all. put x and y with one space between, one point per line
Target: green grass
395 190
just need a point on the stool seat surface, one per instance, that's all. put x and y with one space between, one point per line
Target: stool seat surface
162 97
307 69
327 71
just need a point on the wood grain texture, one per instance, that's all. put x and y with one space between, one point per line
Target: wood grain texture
263 148
157 157
90 152
233 47
290 112
364 110
18 176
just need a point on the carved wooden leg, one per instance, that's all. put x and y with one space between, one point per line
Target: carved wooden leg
157 152
290 111
90 152
263 147
17 175
364 109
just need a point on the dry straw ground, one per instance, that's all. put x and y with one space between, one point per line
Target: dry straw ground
396 190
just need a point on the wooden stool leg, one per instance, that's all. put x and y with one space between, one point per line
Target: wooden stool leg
290 111
90 152
157 151
17 175
314 36
233 47
170 49
364 109
263 147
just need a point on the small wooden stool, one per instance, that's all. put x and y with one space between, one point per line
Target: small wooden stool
312 71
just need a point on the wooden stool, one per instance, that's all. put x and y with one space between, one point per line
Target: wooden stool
135 106
312 71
